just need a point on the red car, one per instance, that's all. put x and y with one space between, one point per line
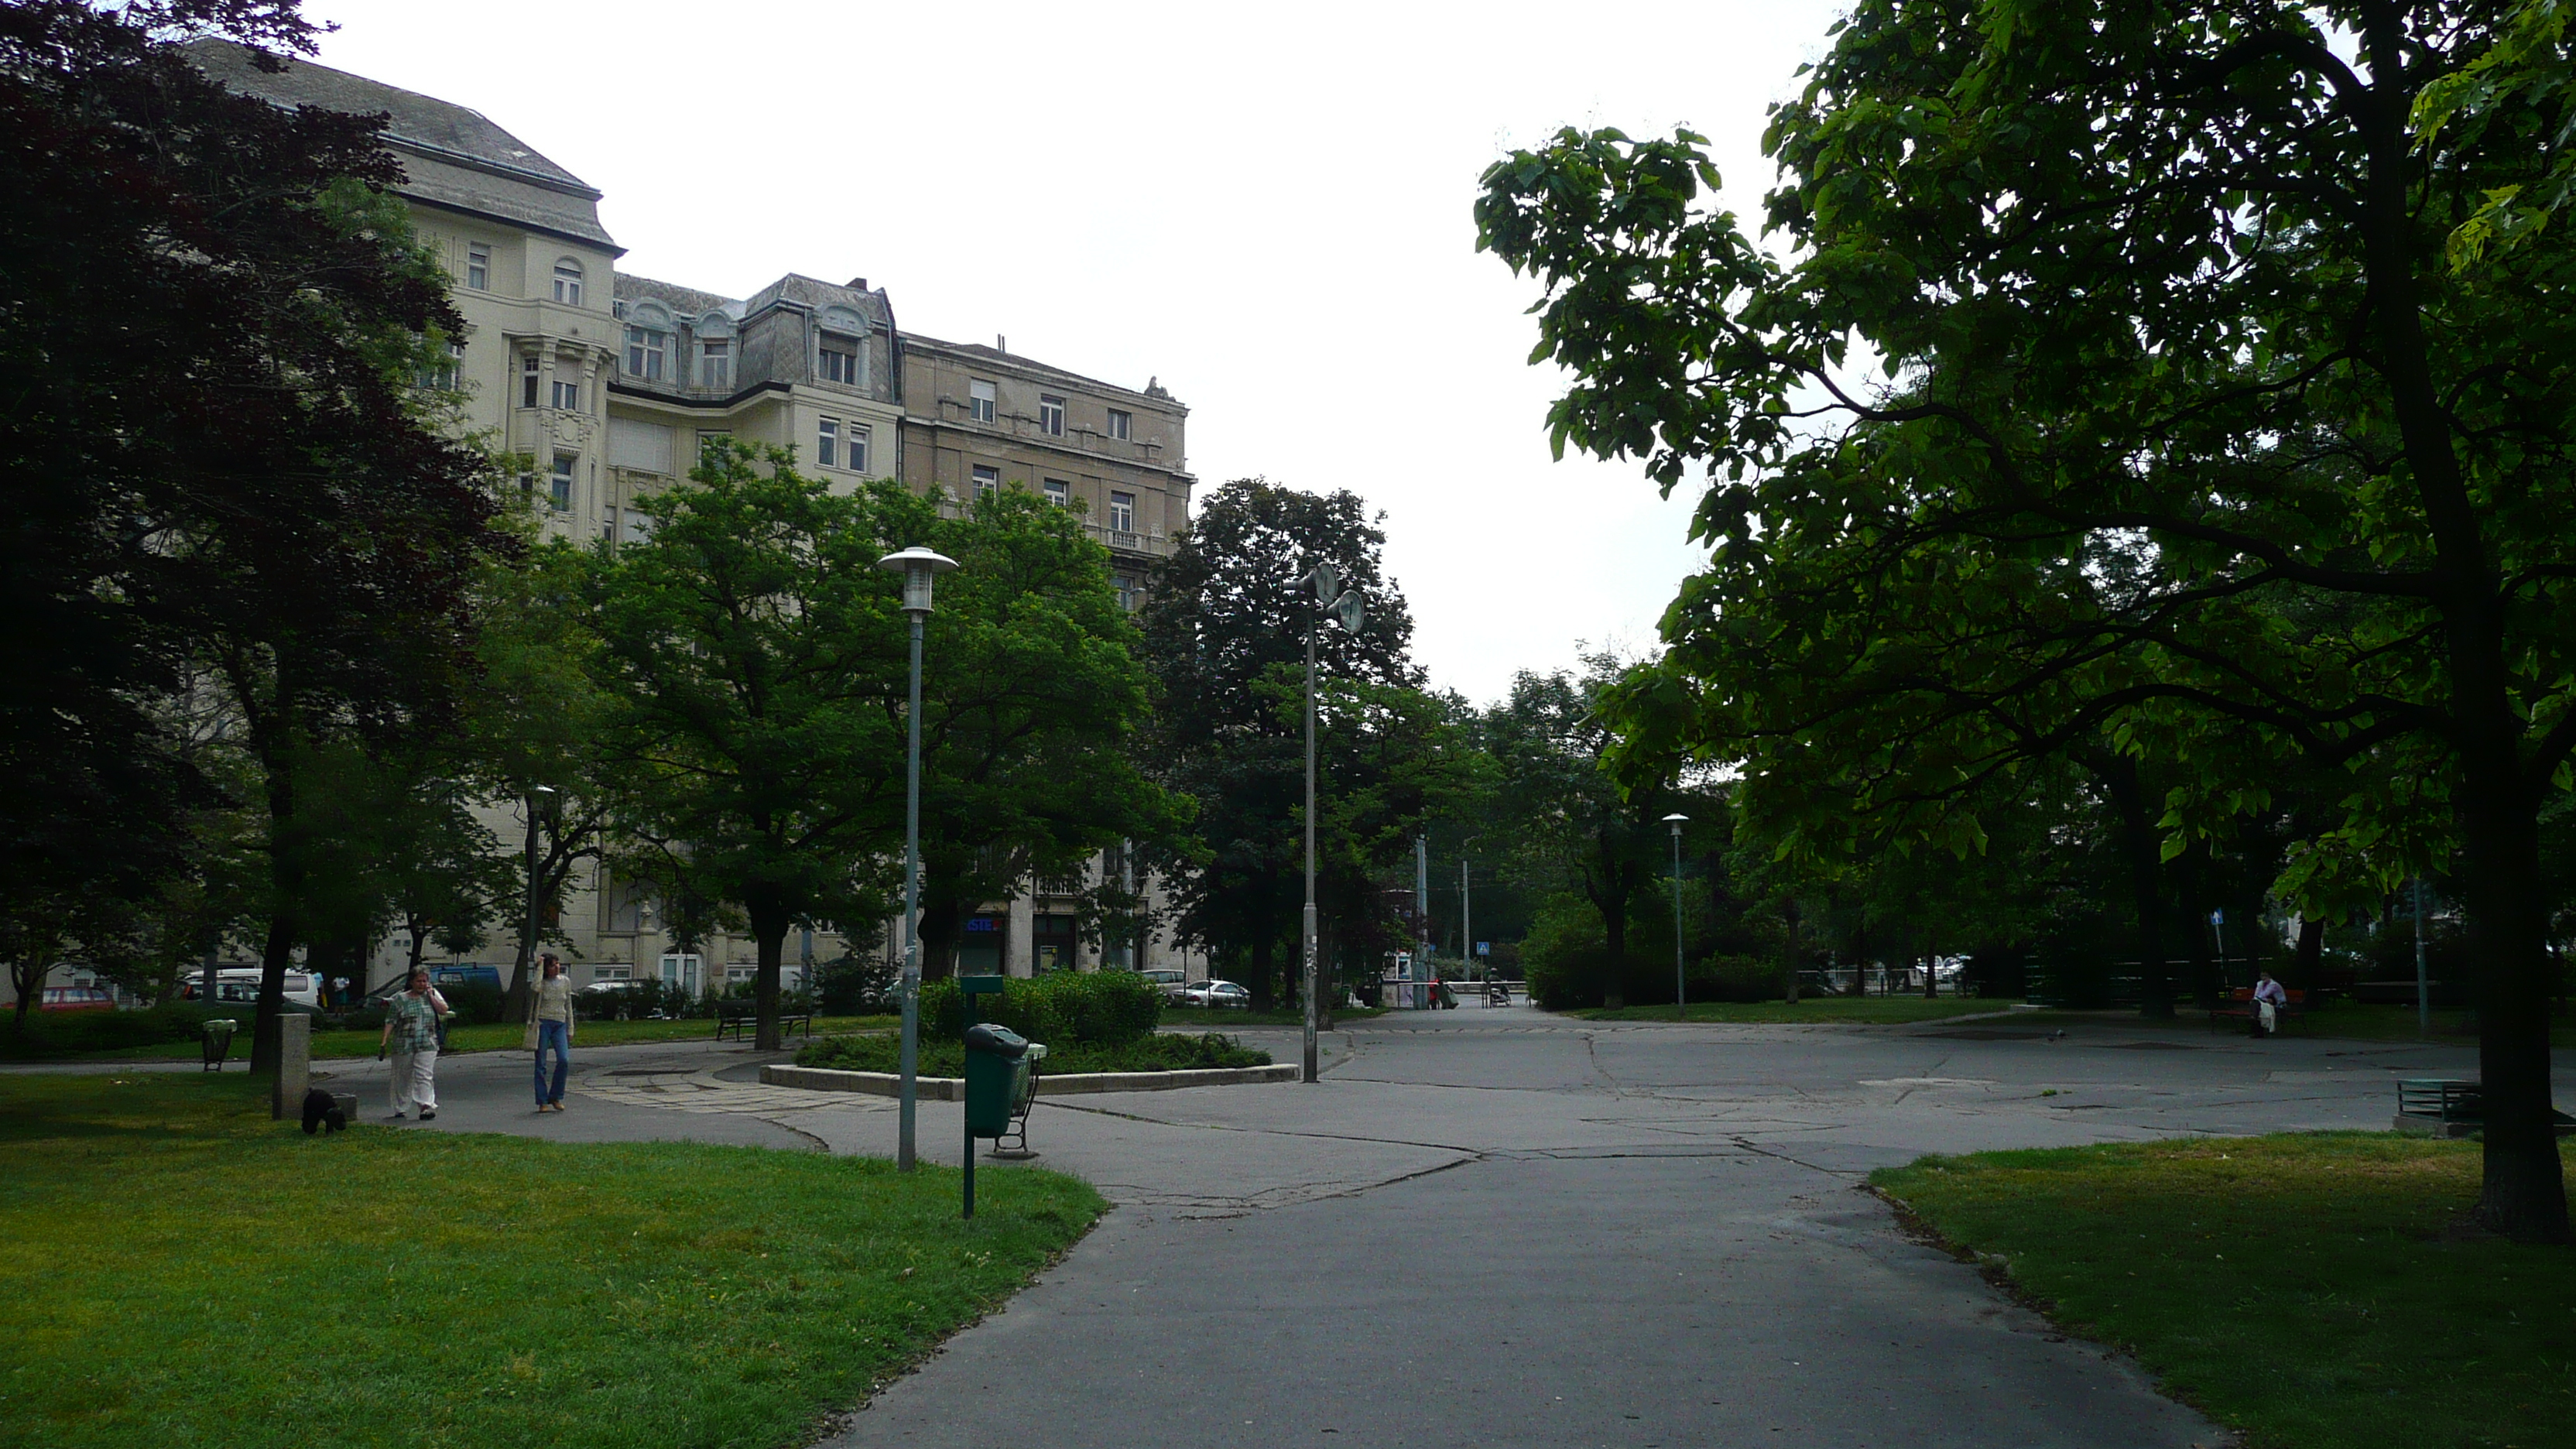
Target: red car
77 998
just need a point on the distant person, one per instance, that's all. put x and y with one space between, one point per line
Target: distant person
550 1023
412 1018
2269 998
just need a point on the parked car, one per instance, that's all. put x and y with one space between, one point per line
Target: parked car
302 987
1215 993
77 998
1170 982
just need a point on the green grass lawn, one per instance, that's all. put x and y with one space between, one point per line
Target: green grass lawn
1232 1016
495 1036
177 1270
1812 1009
2312 1290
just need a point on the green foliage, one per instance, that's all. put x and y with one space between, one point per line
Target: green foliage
473 1003
942 1057
1067 1008
67 1034
2186 442
1225 632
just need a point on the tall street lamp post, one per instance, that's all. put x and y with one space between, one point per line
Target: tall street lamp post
1681 1000
918 566
1349 609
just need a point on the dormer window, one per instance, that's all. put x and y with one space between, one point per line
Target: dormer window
715 362
840 358
645 348
568 282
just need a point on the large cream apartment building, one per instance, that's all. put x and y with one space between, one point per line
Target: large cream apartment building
610 383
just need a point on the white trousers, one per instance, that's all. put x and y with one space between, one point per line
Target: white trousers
416 1080
2271 1017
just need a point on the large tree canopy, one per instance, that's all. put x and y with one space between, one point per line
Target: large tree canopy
210 446
1225 636
2186 440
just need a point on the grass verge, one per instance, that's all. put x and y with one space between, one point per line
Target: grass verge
1167 1052
492 1036
176 1269
2313 1290
1813 1009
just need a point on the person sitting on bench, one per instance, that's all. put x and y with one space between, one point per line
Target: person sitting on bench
2269 998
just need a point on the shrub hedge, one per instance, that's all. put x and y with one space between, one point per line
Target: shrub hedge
76 1033
946 1056
1066 1009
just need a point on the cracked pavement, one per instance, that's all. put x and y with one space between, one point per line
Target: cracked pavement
1494 1227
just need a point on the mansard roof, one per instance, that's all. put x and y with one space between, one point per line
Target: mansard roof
452 157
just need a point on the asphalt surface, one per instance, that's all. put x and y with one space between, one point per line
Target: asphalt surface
1494 1227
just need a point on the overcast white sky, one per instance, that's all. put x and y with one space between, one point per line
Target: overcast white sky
1266 209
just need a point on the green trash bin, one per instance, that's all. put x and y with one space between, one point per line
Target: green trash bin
997 1078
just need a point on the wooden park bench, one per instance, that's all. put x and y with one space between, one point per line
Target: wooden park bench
2239 1006
740 1017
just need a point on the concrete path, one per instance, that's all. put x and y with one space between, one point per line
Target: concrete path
1496 1227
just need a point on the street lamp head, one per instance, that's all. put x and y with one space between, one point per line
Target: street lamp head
1327 581
1351 612
1676 821
918 566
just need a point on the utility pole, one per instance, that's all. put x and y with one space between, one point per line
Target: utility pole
1422 909
1467 920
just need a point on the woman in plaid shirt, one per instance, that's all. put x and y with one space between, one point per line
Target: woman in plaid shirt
411 1034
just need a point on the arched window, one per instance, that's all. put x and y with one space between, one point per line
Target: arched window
841 347
568 282
648 341
715 350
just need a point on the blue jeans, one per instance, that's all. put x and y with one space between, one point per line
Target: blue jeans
557 1035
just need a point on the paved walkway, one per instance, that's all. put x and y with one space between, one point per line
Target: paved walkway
1495 1227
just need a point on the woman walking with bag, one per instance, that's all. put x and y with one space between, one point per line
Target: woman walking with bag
411 1036
550 1023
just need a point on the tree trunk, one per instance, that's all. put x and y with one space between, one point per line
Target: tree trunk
286 887
1791 911
1931 983
1614 972
2312 949
2119 775
2524 1195
769 922
514 1005
2205 985
1264 950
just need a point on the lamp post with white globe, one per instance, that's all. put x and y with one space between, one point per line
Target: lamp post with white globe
919 566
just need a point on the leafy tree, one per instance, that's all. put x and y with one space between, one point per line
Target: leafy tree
212 448
530 735
2190 433
1571 822
753 647
1033 702
1226 614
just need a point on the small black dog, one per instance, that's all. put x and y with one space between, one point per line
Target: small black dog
322 1113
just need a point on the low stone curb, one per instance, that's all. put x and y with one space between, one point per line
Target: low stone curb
953 1089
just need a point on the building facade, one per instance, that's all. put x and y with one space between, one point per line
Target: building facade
609 384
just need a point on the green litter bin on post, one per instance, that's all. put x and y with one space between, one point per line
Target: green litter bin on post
997 1081
997 1077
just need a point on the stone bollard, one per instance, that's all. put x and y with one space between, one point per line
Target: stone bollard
294 1066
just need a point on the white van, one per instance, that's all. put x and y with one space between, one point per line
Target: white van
241 984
